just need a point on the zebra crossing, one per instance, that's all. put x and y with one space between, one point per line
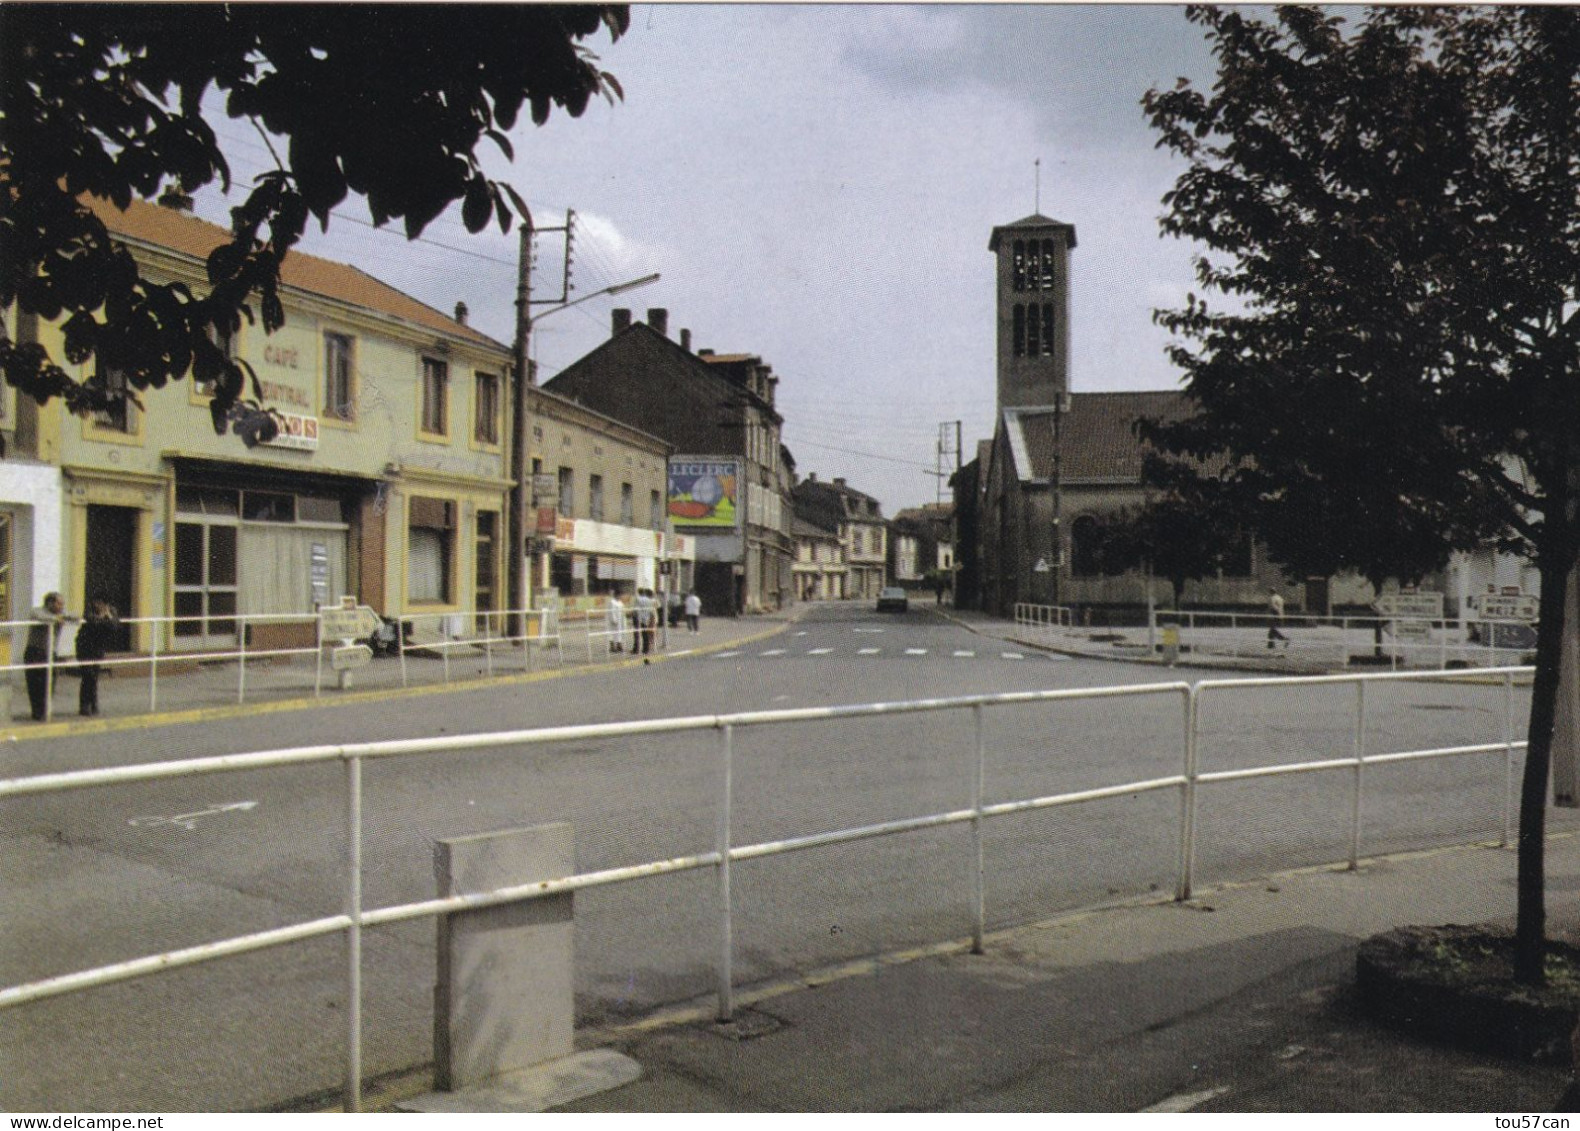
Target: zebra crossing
878 652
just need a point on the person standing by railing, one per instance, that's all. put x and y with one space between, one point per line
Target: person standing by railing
93 641
39 653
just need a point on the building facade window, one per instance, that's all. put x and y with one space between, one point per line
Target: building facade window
430 550
485 428
486 557
595 497
655 511
567 491
627 505
340 393
116 416
435 396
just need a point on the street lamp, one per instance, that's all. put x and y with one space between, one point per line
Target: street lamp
520 562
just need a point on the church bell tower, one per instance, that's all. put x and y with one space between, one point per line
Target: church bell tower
1033 311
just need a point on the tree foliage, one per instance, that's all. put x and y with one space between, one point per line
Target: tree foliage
391 103
1181 536
1390 214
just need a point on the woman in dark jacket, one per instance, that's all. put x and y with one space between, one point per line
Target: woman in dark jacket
93 640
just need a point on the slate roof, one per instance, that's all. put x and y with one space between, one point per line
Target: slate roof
1035 220
642 377
829 504
1100 443
187 235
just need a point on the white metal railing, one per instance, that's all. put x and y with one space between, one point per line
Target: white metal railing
724 854
1397 641
430 633
1043 618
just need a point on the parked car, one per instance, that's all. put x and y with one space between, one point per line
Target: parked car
893 599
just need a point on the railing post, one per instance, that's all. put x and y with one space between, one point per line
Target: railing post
318 669
1187 860
1508 754
53 632
978 879
400 643
353 1091
153 670
241 666
444 647
726 1008
1360 774
488 643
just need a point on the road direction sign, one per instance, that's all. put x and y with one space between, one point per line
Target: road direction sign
347 621
1411 605
351 656
1500 606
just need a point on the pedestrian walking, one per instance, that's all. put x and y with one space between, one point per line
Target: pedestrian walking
1275 610
646 617
693 612
93 641
40 651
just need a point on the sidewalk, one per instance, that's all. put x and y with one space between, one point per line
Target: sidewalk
1239 1000
186 691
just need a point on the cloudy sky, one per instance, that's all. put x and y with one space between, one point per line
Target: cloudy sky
817 185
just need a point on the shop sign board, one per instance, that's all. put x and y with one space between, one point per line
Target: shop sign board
296 431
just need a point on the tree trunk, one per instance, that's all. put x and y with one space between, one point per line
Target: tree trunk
1556 562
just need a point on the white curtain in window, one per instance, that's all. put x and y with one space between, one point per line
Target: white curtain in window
425 565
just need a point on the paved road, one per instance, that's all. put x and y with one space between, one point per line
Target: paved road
116 873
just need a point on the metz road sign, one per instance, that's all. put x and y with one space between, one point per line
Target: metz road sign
1499 606
350 621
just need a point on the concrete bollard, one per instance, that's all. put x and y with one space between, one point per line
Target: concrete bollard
504 999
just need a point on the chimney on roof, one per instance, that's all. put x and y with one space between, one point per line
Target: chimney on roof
838 482
685 340
621 319
704 353
460 313
811 477
658 318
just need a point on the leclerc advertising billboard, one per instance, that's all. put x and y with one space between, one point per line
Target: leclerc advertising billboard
703 493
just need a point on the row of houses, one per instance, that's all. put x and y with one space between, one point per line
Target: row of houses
647 464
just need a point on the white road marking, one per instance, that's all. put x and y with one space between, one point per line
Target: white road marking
1013 655
724 655
1186 1101
964 654
916 651
873 631
802 632
774 652
819 651
190 820
869 651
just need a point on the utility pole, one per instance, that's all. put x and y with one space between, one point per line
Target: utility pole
520 561
941 451
519 565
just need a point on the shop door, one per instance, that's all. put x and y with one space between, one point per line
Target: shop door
110 566
205 589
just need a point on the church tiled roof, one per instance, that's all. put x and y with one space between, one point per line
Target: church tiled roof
1100 443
